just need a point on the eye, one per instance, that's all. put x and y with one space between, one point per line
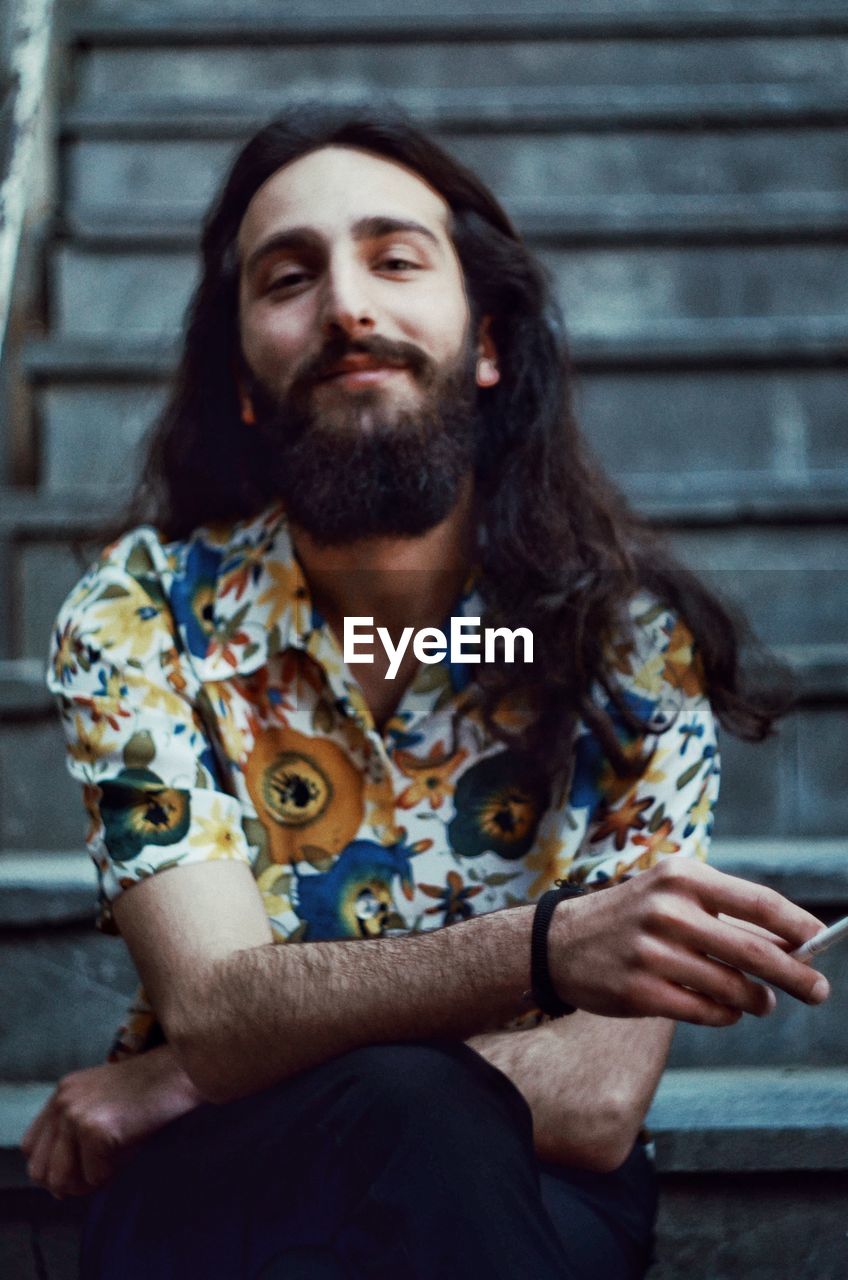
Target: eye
395 263
288 280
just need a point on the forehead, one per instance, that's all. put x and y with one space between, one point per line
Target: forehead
330 189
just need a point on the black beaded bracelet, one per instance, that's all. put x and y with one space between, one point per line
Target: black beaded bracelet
543 990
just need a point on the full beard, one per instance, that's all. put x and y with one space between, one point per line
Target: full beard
358 467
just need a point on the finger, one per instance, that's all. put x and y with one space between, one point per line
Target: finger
729 895
97 1163
662 999
40 1159
64 1176
711 978
34 1130
755 955
754 928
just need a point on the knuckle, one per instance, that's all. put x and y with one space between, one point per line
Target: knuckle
759 952
663 910
766 901
672 870
645 952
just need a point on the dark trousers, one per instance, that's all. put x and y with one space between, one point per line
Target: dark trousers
412 1160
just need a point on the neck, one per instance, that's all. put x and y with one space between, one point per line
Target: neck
396 581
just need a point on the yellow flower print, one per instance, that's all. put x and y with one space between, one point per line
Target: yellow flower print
274 886
650 676
217 834
90 744
127 618
682 669
545 858
429 776
155 696
701 809
285 579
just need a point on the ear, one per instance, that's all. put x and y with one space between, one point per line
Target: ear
488 373
248 413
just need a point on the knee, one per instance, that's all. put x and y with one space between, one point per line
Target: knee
425 1079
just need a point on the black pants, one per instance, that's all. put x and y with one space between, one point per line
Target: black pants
413 1160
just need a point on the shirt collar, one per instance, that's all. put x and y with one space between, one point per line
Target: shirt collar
240 597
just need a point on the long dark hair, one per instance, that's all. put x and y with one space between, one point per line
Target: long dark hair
561 551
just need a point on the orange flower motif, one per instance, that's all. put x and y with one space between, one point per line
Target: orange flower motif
619 822
683 670
248 568
226 647
429 777
546 858
657 842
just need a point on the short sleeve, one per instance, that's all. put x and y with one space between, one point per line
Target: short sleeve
666 810
134 740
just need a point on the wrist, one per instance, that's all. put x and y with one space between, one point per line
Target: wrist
544 986
162 1072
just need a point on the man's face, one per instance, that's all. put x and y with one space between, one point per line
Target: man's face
354 327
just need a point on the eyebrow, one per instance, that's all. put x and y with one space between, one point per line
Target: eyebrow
299 238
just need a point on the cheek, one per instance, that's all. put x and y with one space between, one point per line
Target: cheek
438 320
273 339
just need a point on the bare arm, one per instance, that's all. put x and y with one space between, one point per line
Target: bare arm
96 1116
242 1012
588 1081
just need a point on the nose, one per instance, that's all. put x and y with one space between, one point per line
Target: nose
347 304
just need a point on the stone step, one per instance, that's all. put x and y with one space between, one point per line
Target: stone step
570 221
800 341
792 581
58 886
604 292
781 385
790 786
158 22
396 61
524 108
749 1120
65 987
714 1224
717 442
730 521
139 175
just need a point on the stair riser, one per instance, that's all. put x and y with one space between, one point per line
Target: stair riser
777 424
710 1228
720 1227
100 294
109 73
792 785
183 175
63 993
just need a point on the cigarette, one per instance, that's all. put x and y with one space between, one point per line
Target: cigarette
822 940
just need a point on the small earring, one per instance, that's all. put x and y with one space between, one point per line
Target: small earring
248 416
487 371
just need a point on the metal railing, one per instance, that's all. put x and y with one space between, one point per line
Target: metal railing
25 32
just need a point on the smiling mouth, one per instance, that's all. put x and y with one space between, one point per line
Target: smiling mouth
362 374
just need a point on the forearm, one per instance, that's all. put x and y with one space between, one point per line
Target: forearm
262 1014
588 1080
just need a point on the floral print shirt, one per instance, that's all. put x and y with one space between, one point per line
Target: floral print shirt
209 714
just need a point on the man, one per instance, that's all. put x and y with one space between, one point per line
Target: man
371 421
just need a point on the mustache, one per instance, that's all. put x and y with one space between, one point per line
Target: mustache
381 349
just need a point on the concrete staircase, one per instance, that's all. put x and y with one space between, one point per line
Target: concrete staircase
683 171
